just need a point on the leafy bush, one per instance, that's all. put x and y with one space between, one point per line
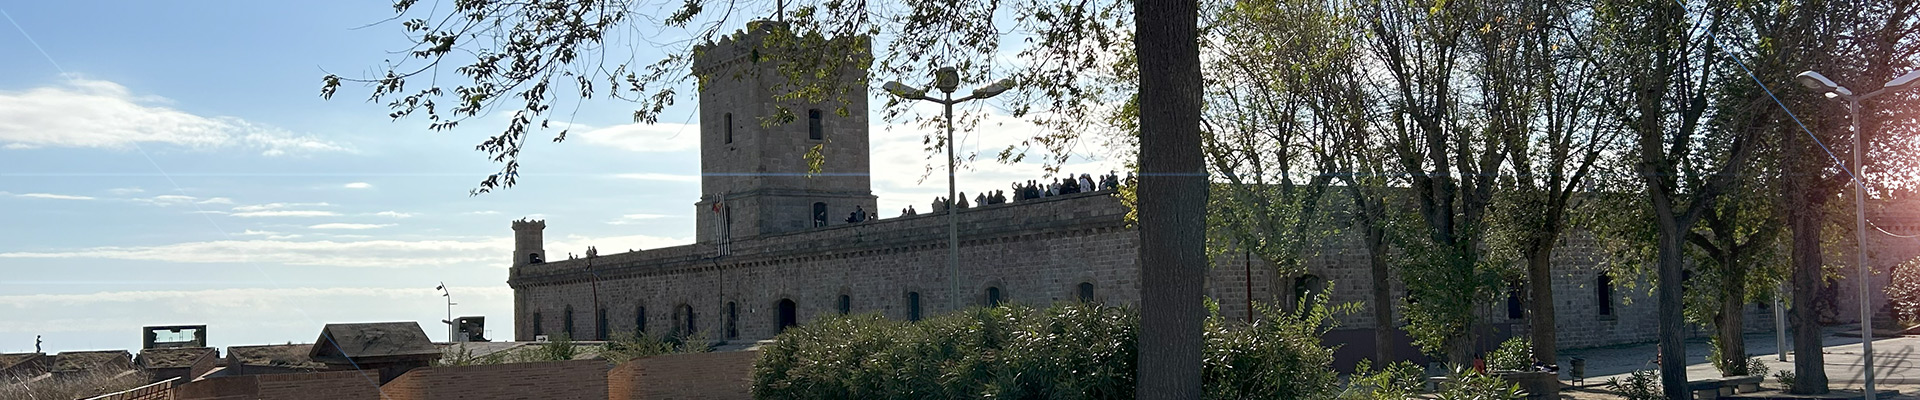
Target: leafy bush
1514 355
1640 385
1397 381
1903 290
1785 377
1069 351
1468 384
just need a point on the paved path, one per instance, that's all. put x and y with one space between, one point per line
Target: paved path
1896 361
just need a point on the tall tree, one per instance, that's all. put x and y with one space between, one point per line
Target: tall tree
1450 162
1665 63
1538 88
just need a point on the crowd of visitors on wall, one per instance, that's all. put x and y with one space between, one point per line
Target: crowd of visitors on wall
1032 189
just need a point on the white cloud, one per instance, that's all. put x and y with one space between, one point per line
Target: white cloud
286 213
493 251
349 226
655 176
646 138
394 214
53 196
261 233
276 206
100 114
635 218
358 185
900 160
125 191
166 200
282 237
217 200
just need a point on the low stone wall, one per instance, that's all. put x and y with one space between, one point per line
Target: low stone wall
725 375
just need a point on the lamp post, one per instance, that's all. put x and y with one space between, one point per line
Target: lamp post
947 79
453 328
1817 82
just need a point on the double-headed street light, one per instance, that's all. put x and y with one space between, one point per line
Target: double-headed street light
1820 83
947 79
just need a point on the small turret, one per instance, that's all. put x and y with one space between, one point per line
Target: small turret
529 244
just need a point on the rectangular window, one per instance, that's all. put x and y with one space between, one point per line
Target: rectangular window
913 306
814 130
728 120
1603 293
537 331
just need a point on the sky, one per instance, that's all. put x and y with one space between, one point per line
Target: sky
172 163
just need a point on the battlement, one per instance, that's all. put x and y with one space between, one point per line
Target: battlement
525 224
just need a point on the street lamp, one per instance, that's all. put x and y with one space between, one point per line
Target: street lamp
1820 83
947 79
453 328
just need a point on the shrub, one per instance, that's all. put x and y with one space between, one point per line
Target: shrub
1903 291
1468 384
1069 351
1514 355
1640 385
1784 377
1397 381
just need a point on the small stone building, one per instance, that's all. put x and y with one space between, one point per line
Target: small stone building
393 348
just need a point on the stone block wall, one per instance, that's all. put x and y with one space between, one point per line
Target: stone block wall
726 375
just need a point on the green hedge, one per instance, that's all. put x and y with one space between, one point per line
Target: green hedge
1062 352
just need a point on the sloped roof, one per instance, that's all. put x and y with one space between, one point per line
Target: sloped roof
85 360
343 343
279 355
176 357
9 359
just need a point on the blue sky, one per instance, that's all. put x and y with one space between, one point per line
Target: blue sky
172 163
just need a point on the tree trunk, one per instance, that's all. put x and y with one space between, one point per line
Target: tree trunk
1809 364
1382 284
1673 349
1732 319
1172 197
1540 318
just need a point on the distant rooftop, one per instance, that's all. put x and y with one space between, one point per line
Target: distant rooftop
85 360
280 355
178 357
348 343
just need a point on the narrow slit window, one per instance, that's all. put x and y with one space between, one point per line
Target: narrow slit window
814 129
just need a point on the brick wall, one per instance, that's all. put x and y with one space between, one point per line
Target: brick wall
726 375
585 379
344 385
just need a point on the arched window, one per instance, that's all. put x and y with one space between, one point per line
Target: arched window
1086 292
1603 294
567 325
846 304
819 214
789 314
913 306
683 320
993 296
728 119
533 258
639 320
600 326
733 321
815 130
537 329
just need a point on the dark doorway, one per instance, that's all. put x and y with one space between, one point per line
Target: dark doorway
789 314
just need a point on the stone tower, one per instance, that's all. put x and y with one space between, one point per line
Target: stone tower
754 169
529 244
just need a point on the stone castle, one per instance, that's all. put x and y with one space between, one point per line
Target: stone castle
770 253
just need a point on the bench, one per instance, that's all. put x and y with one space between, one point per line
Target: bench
1713 388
